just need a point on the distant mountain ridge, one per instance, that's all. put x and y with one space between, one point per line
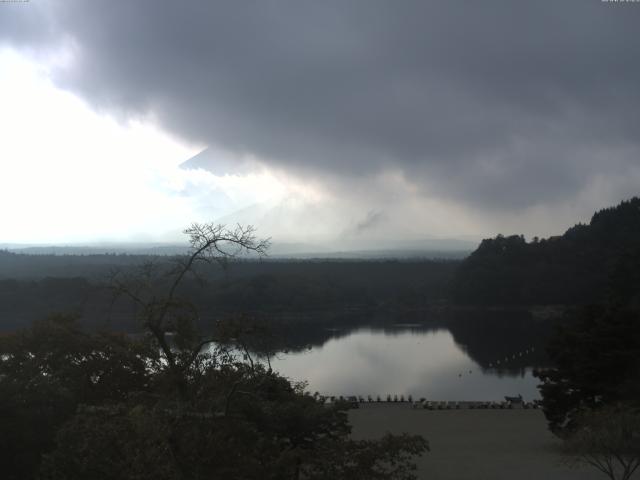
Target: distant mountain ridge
574 268
427 248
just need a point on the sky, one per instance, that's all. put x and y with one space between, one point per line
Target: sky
347 123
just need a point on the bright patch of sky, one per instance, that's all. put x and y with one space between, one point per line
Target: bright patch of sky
72 175
69 174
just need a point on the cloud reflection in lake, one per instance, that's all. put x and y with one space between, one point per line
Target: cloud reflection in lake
421 363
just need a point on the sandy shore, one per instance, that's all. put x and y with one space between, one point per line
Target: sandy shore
474 444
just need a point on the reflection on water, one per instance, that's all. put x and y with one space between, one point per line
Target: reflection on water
422 362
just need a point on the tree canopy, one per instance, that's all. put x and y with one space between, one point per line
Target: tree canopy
172 403
607 439
596 353
570 269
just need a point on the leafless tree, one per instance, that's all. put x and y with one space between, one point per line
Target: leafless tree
154 289
608 440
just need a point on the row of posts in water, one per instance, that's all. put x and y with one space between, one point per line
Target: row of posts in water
512 357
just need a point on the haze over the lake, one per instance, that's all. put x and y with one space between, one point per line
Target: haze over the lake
343 124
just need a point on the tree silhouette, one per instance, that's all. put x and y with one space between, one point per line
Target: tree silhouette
608 440
161 406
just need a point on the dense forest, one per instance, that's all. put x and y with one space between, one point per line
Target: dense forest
269 288
574 268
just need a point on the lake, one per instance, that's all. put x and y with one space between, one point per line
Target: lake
418 361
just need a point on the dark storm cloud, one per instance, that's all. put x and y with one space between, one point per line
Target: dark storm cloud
493 103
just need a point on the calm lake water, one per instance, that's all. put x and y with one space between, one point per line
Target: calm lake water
424 363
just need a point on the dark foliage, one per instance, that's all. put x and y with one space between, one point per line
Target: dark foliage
608 440
571 269
596 354
173 404
76 405
597 362
304 289
46 372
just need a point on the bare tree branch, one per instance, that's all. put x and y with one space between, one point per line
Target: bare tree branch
210 243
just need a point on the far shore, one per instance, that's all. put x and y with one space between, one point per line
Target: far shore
474 444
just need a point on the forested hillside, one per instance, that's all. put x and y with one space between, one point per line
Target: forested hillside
574 268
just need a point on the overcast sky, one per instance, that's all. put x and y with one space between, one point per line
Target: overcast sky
354 122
